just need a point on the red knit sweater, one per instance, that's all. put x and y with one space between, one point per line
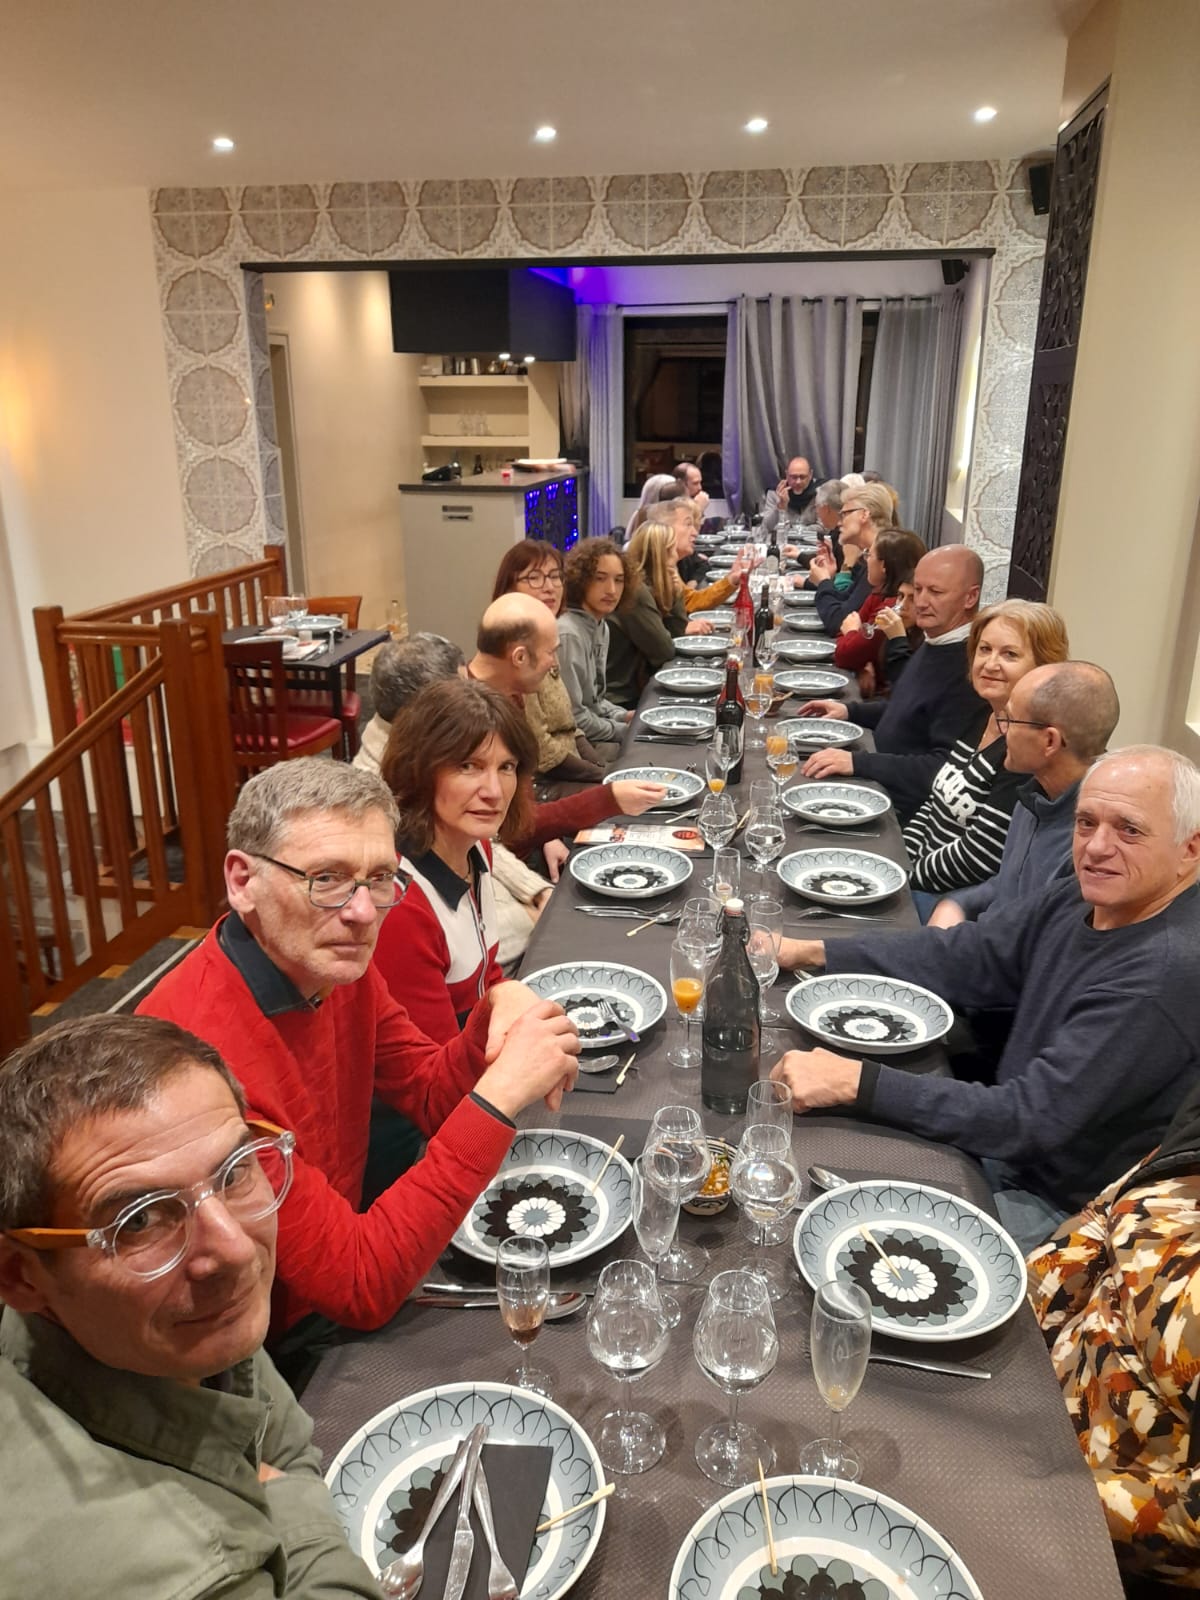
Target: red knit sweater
314 1071
856 649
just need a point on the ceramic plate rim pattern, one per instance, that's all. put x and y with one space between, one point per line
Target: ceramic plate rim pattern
702 716
807 649
616 1190
633 853
806 987
667 678
738 1507
804 621
800 597
827 672
690 782
865 859
969 1214
604 1041
701 644
802 731
577 1551
719 616
794 799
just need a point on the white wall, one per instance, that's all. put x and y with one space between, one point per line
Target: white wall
90 506
721 281
966 404
357 427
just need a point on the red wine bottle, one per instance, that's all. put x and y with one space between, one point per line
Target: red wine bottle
731 711
743 609
764 617
731 1037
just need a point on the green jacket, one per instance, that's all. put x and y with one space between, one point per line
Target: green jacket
639 642
146 1489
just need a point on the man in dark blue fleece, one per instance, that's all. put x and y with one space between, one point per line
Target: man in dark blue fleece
1102 973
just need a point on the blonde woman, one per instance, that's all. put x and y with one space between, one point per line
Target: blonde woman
642 638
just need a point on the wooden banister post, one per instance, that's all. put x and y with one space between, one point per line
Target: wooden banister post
203 771
56 670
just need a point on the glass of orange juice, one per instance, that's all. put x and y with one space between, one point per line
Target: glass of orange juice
689 963
781 758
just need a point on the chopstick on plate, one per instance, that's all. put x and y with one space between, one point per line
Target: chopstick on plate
872 1240
607 1164
762 1489
553 1522
620 1078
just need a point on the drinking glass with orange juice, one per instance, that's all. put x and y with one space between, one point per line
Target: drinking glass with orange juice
689 964
781 758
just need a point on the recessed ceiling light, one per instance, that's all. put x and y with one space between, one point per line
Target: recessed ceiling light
757 125
545 133
222 145
527 361
505 355
985 113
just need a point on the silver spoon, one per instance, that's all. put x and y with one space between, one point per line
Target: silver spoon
822 1178
404 1577
590 1064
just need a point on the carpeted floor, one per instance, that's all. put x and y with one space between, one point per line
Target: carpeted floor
120 988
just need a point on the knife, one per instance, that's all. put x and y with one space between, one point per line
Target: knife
464 1537
951 1369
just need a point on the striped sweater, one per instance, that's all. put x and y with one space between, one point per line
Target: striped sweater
957 837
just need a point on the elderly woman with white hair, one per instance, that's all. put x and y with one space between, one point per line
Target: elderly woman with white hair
648 504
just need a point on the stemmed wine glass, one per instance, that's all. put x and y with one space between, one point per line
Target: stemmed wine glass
840 1341
717 820
765 1182
627 1333
765 837
764 917
701 924
689 963
679 1130
757 694
767 649
656 1214
737 1347
726 747
523 1290
771 1102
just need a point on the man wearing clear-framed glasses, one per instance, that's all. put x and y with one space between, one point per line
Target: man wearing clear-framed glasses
150 1446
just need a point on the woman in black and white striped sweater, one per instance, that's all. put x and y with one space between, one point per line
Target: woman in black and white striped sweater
957 837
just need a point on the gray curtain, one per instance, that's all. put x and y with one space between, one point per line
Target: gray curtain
910 413
604 378
573 407
791 383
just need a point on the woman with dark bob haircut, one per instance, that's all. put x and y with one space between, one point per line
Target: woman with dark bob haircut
599 582
458 760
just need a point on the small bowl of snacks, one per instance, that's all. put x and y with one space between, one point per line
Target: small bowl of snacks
714 1193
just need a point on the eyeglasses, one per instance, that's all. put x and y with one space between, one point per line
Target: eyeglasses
543 579
1005 723
330 891
151 1234
846 510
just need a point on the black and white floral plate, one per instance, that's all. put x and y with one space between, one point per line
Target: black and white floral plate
819 733
544 1189
689 680
860 1011
680 786
805 649
833 1540
839 877
836 805
719 616
630 871
680 718
801 621
581 987
800 597
958 1273
811 680
701 644
383 1480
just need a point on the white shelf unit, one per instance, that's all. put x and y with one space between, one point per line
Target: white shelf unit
492 416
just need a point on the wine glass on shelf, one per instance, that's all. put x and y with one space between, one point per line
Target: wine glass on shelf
627 1334
689 963
736 1346
764 918
523 1290
765 839
765 1181
726 880
782 759
840 1343
717 820
773 1103
679 1130
656 1214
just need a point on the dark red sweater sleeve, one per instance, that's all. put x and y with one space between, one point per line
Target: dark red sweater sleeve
856 650
554 818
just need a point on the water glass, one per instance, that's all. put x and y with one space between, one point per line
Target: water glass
701 922
767 649
627 1334
736 1346
764 917
689 963
717 820
765 1182
523 1290
758 703
726 880
773 1103
765 840
840 1342
679 1130
656 1213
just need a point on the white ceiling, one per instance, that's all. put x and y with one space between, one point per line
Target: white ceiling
117 92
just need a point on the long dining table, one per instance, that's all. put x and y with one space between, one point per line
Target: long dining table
992 1465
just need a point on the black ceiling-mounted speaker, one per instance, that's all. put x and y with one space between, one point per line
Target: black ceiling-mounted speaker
1040 174
954 270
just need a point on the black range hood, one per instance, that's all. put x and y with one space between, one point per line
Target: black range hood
481 310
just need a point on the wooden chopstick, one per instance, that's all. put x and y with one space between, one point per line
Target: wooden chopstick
620 1079
872 1240
638 926
744 820
607 1164
762 1489
553 1522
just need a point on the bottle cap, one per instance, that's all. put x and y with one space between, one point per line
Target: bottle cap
733 906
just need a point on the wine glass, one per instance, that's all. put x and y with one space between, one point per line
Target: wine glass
656 1213
840 1341
767 649
764 918
523 1290
765 839
726 746
737 1347
765 1182
689 962
770 1102
726 880
701 923
627 1333
717 820
758 702
715 770
679 1130
782 759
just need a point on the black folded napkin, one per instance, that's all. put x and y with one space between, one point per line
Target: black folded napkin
517 1476
598 1082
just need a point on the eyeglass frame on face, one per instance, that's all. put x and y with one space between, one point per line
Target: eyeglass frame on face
400 880
846 510
541 577
192 1197
1004 723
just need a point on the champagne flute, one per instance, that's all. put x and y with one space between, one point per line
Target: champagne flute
523 1290
773 1103
840 1341
656 1214
679 1130
782 759
689 963
715 768
726 880
726 746
736 1346
765 1182
767 650
765 840
758 703
764 918
627 1334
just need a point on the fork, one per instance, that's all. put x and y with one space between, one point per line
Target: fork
500 1580
609 1012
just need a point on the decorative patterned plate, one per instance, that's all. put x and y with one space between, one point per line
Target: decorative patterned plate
858 1010
836 805
701 644
719 616
680 718
820 733
812 680
630 871
805 649
833 1541
690 680
545 1188
800 621
579 987
837 877
383 1480
680 786
800 597
957 1272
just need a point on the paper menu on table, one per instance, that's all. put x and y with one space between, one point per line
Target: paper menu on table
664 835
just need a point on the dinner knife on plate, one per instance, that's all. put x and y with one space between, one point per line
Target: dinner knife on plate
464 1535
